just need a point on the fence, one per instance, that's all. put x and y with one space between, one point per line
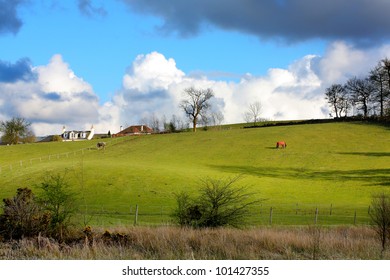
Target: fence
24 163
263 214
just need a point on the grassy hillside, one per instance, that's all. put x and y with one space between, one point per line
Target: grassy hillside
335 167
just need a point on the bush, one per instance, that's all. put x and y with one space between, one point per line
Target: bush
56 138
57 200
22 216
219 204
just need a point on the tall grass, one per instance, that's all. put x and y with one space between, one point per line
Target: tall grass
168 243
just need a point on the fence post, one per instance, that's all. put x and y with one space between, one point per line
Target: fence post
354 218
136 215
270 216
316 217
331 208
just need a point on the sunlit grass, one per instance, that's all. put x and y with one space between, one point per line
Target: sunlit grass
339 164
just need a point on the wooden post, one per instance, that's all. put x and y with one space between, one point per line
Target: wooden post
354 218
296 209
331 208
316 217
270 216
136 215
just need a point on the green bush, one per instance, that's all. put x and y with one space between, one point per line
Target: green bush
57 200
219 204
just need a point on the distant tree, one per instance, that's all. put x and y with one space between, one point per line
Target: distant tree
217 118
15 131
253 113
378 77
361 92
196 103
337 99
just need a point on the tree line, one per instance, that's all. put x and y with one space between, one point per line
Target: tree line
365 96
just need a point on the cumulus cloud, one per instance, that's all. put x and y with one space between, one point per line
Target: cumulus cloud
9 20
362 21
55 97
154 85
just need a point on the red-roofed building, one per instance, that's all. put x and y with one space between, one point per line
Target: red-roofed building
134 130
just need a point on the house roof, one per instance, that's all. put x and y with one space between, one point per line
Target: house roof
136 129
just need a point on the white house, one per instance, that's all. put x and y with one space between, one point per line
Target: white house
73 135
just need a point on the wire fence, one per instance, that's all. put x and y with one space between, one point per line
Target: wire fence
264 214
25 163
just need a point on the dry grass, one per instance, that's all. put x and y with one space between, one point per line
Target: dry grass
182 243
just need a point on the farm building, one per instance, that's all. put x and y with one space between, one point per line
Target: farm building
134 130
73 135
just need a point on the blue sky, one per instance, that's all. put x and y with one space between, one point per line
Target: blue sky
281 53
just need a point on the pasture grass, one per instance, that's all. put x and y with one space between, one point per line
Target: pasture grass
338 164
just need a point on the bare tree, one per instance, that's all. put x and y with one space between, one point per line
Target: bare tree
380 217
361 91
196 104
378 78
217 118
253 113
337 99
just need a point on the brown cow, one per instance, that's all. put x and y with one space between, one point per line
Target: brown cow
281 144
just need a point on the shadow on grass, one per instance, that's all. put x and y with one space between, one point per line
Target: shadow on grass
368 154
380 177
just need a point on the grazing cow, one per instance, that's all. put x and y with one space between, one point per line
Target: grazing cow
101 145
281 144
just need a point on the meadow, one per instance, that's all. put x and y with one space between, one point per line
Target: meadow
331 168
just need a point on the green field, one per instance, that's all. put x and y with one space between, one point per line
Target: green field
334 167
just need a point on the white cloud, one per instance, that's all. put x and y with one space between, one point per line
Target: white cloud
152 72
154 85
55 98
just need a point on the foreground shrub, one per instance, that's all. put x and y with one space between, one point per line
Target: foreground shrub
58 201
220 203
22 216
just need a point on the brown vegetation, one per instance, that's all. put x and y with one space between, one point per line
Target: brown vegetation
221 243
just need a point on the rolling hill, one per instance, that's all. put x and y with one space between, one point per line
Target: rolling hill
334 167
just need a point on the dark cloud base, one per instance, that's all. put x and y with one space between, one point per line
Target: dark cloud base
21 70
358 21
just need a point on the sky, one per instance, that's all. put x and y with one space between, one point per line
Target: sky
113 63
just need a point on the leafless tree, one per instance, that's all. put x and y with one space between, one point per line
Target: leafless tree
253 113
380 217
196 103
361 92
337 99
378 78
